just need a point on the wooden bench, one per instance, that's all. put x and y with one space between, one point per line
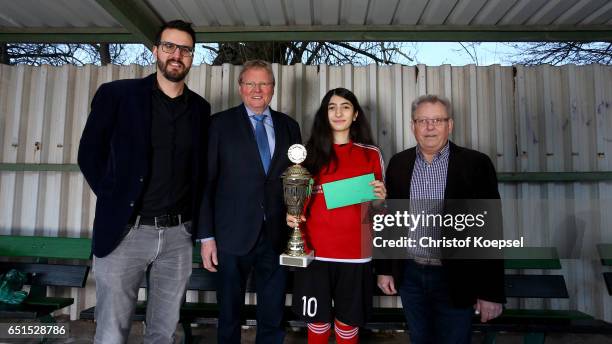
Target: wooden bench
534 323
605 253
31 254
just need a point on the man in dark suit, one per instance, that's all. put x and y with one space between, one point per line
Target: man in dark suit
142 154
242 224
440 294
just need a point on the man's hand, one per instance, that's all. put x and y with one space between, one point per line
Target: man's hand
209 255
487 310
386 284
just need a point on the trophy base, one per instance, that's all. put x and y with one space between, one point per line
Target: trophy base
296 261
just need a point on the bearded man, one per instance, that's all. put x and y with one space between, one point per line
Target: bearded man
143 153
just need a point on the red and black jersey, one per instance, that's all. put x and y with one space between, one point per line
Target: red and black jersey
340 234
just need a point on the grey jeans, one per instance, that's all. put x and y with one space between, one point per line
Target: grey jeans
118 275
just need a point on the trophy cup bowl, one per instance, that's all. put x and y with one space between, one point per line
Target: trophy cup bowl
296 190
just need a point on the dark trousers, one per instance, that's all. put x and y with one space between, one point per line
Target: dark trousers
430 316
270 280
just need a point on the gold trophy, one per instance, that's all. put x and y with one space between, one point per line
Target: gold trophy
297 185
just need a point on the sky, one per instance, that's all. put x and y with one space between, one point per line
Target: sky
453 53
438 53
430 53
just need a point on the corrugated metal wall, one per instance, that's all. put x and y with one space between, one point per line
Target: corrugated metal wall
525 118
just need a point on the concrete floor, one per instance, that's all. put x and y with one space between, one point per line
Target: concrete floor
82 333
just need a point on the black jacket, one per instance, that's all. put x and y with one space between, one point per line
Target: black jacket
471 175
115 149
238 192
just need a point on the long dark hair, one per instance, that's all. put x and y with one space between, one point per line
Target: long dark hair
321 142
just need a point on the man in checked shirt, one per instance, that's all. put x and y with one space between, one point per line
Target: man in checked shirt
440 295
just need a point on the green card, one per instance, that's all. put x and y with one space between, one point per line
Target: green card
349 191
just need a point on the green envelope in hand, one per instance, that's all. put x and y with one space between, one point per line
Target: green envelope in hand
349 191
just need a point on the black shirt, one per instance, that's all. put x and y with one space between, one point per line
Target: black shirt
168 189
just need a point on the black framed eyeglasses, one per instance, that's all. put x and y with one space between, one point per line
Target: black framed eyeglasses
170 48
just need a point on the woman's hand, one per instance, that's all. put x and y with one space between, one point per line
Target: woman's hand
379 189
292 221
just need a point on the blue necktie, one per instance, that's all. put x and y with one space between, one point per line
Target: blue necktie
262 141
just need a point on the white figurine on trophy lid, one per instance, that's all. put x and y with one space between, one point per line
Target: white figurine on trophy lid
297 153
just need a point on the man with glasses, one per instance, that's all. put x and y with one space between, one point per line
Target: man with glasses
142 153
441 294
243 226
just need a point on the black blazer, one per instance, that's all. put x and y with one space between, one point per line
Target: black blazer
238 193
114 154
471 175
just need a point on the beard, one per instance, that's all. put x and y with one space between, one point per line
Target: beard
174 76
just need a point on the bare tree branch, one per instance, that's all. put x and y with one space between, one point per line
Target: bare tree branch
314 53
208 47
472 53
362 52
77 54
556 53
399 51
306 52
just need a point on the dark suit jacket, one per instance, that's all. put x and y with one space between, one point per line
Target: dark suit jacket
471 175
238 193
114 154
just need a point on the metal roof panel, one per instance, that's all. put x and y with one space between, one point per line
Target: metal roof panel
492 12
354 12
437 11
302 11
231 20
194 11
599 16
521 12
221 14
579 11
381 12
550 11
409 12
465 11
58 13
167 10
275 10
326 12
247 13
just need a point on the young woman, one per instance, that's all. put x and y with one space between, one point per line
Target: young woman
340 147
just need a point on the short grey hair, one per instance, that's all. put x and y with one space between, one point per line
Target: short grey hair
433 98
254 64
